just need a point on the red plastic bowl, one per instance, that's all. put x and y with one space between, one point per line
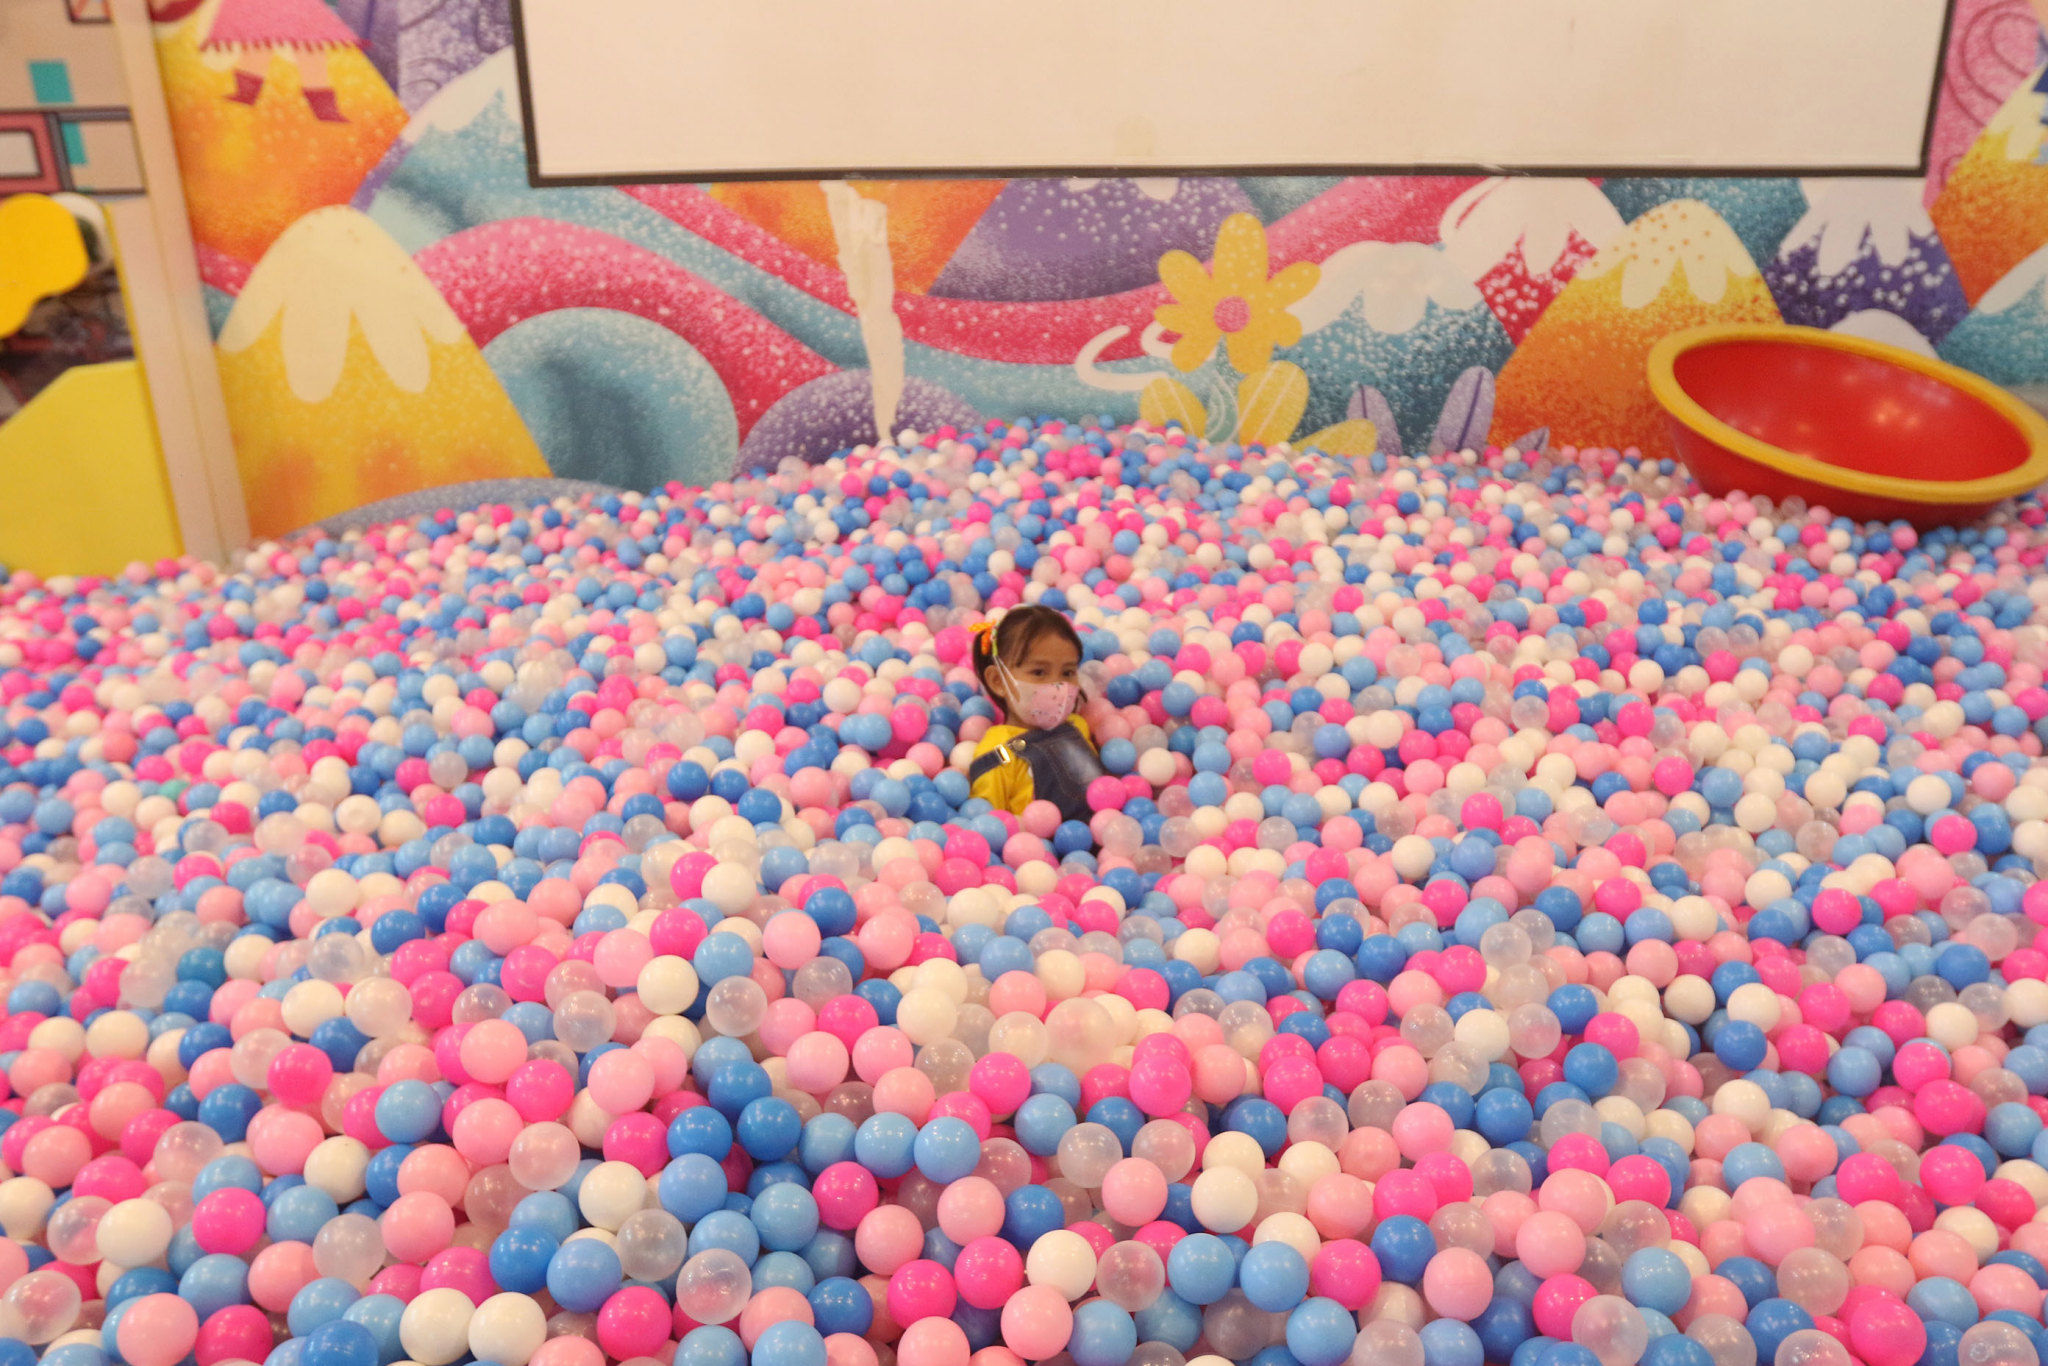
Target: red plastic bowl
1865 430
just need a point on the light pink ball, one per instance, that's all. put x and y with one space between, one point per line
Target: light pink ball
157 1330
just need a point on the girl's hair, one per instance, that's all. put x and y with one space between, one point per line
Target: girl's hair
1019 629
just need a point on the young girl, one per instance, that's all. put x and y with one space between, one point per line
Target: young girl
1029 665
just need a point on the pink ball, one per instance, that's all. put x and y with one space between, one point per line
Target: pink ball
988 1272
299 1074
1885 1332
777 1304
1457 1284
157 1330
1134 1191
568 1350
484 1131
1557 1299
1952 1174
1037 1322
1347 1271
416 1226
921 1289
492 1051
932 1342
818 1061
467 1269
621 1081
279 1272
845 1192
971 1208
887 1237
1550 1244
229 1220
239 1332
634 1322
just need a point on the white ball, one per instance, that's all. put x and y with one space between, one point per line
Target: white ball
24 1204
1063 1260
667 985
135 1232
338 1166
434 1330
1224 1199
507 1329
612 1193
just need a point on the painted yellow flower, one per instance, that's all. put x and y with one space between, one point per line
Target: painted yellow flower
1234 302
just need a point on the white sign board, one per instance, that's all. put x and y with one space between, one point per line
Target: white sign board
647 90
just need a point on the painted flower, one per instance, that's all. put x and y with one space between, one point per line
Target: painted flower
1234 302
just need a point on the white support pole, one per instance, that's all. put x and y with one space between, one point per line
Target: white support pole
160 277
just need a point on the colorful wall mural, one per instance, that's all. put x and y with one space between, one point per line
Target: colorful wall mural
395 307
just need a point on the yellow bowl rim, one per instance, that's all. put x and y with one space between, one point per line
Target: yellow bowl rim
2033 427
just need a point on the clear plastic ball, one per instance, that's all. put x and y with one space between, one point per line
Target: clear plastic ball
47 1303
1130 1275
349 1248
714 1286
651 1245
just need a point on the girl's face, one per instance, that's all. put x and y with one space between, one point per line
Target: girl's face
1050 659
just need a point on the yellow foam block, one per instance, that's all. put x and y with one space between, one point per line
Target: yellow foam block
41 253
82 485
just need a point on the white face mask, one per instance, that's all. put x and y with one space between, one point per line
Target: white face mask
1041 706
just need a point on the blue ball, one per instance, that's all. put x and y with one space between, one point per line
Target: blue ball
318 1302
1201 1269
1273 1276
1404 1245
789 1343
408 1112
884 1143
519 1258
1771 1322
1655 1278
1040 1121
1740 1045
711 1346
841 1305
690 1187
786 1217
583 1274
768 1128
214 1282
1104 1335
1321 1332
341 1343
947 1149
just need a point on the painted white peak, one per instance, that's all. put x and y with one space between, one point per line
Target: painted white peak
332 272
1395 282
1158 189
464 100
1525 216
2028 278
2019 120
1681 235
1879 325
1843 215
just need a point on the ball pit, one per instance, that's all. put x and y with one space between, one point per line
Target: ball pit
1536 914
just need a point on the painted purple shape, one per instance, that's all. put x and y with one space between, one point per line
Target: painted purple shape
1922 288
815 421
1467 414
420 45
1043 239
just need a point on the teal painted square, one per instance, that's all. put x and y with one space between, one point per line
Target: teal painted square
74 144
51 82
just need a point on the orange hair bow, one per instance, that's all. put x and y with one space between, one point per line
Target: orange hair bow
985 631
